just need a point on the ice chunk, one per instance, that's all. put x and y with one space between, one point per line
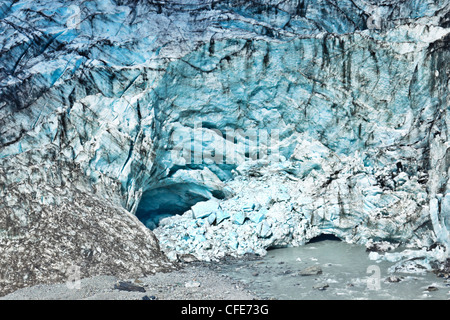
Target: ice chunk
221 215
239 217
258 216
205 208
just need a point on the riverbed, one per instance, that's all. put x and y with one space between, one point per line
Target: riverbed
342 271
339 271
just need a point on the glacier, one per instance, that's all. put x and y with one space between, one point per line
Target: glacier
285 119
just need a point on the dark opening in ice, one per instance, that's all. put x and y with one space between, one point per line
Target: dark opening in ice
166 201
323 237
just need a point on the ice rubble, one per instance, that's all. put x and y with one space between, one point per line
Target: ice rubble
292 201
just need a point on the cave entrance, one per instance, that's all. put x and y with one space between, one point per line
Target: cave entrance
323 237
162 202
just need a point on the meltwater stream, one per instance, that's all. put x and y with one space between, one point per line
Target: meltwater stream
346 273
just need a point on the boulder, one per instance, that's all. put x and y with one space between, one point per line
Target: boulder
311 271
128 286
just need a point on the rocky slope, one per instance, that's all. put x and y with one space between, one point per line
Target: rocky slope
300 117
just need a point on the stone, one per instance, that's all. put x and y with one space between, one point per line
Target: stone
187 258
128 286
393 279
321 287
379 247
311 271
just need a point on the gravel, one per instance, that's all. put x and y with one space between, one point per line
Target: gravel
174 285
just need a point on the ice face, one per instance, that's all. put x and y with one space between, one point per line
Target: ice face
326 118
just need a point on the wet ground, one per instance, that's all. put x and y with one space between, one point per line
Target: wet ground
339 271
335 270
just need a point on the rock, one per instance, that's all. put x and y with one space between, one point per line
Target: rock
393 279
149 298
187 258
128 286
443 270
432 288
286 272
443 275
311 271
68 249
379 247
321 287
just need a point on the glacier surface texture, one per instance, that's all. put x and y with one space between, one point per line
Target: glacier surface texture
132 132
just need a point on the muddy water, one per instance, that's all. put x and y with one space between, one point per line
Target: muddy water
346 273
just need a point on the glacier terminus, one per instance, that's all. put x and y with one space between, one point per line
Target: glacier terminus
133 133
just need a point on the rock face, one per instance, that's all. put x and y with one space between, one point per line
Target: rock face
300 117
55 229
